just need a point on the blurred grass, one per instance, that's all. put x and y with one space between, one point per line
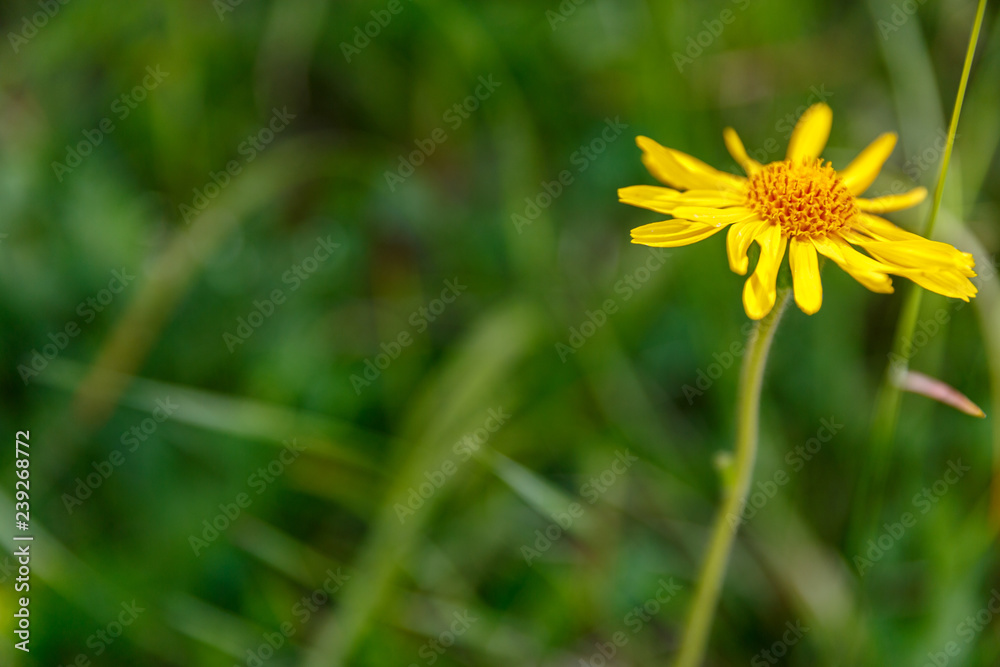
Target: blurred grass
495 345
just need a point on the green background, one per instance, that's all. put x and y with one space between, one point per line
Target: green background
655 381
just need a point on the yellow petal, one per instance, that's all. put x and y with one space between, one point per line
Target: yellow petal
683 171
892 202
721 180
735 147
811 132
935 266
714 198
738 240
655 198
861 172
864 269
713 215
759 291
946 283
881 229
805 276
665 200
920 254
673 233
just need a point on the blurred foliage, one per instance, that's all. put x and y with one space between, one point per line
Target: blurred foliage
654 379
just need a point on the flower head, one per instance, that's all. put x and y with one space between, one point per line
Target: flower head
800 203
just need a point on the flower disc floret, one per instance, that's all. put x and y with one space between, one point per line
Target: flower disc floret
804 198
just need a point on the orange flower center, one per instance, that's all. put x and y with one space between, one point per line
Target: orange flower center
806 198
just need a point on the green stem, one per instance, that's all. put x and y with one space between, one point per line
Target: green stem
970 53
886 416
736 484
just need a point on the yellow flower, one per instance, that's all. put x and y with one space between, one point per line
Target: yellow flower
800 203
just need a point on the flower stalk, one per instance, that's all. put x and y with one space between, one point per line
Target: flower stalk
886 417
736 484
